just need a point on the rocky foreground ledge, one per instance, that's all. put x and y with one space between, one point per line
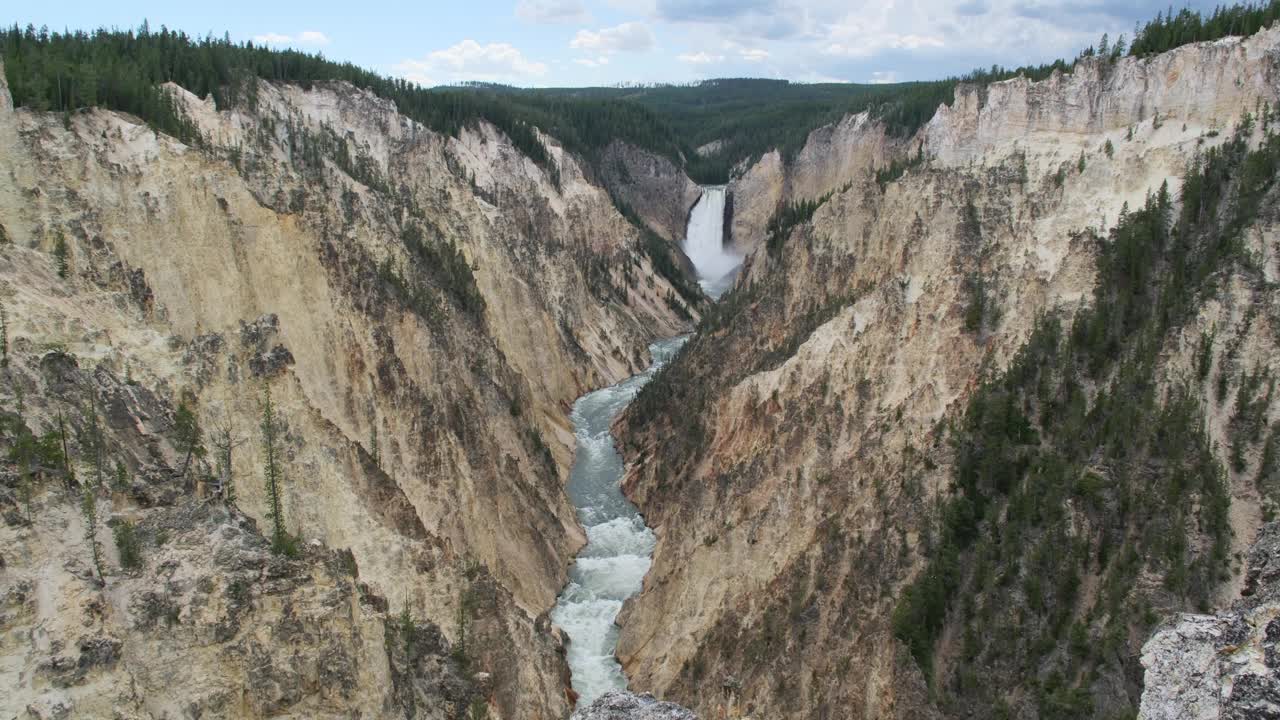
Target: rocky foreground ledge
1205 667
618 705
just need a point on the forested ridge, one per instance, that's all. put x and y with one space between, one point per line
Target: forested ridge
122 70
750 117
1169 30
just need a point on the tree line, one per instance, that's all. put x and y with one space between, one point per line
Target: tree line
122 70
750 117
1169 30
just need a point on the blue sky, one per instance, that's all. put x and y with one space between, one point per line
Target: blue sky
603 42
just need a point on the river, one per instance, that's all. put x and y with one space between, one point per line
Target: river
612 566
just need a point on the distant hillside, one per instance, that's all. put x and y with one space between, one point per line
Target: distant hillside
121 69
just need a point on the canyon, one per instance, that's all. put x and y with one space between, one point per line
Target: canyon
501 384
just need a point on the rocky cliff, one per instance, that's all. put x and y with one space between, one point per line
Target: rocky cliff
798 461
626 706
833 156
658 191
991 121
423 308
186 612
1225 665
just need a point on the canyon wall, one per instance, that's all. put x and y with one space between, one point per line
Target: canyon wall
654 187
424 310
832 157
796 460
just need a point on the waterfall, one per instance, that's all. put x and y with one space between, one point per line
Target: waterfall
704 243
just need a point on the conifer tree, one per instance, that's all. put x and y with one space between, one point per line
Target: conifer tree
225 441
460 647
280 540
4 336
89 507
93 442
130 550
69 473
24 452
61 255
121 479
189 435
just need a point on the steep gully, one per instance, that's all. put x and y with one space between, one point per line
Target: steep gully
612 565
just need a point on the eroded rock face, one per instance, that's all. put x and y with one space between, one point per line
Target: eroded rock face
1204 88
203 620
1225 666
213 624
618 705
847 151
658 191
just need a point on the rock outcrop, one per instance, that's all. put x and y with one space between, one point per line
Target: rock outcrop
1204 89
189 612
619 705
1225 666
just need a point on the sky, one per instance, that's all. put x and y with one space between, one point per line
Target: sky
605 42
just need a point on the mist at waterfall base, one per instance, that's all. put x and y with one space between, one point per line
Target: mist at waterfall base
612 566
704 244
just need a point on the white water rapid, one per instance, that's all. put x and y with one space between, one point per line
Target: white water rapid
611 567
704 243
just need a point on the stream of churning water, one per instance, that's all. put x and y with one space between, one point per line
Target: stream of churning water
612 565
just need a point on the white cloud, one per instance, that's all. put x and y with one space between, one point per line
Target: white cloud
470 61
272 39
552 11
754 54
870 45
642 8
312 37
627 37
593 62
883 77
701 58
306 37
